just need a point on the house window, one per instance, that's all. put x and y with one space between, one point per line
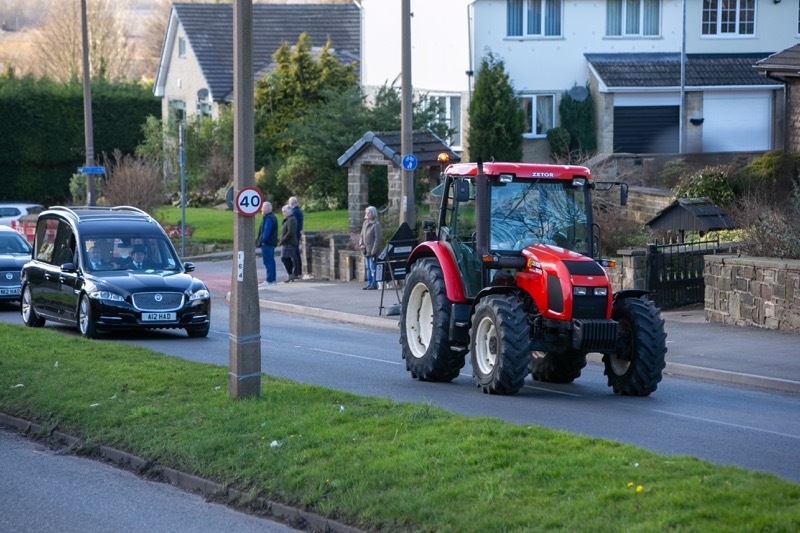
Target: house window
633 17
537 18
177 110
539 112
450 114
729 17
181 47
203 109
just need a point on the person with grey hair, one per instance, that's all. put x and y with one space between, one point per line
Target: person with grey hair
288 242
298 215
370 244
267 240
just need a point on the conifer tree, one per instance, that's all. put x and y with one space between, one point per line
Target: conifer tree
496 116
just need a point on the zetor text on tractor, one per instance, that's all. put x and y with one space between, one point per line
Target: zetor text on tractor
510 275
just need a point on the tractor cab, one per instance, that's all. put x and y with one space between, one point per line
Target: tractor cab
492 212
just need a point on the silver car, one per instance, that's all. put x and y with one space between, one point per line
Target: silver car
14 252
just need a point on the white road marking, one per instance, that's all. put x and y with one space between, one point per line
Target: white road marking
737 426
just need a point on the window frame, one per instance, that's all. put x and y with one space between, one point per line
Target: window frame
182 47
531 118
714 9
624 32
522 20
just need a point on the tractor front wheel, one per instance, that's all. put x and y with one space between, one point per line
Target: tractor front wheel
634 368
499 345
425 325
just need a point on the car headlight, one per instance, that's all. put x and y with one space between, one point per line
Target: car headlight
106 295
200 294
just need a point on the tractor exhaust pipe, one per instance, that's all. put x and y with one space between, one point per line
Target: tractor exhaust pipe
481 218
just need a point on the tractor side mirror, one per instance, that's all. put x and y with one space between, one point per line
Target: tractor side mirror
462 190
623 194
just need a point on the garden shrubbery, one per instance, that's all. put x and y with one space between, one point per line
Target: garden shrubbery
762 198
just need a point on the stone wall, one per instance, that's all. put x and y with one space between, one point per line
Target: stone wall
753 291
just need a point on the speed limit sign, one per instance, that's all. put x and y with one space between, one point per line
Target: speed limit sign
248 201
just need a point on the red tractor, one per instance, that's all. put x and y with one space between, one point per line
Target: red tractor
509 275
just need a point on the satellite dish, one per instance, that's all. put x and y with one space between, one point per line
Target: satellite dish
578 93
202 94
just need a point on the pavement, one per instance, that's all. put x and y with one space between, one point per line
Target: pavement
695 348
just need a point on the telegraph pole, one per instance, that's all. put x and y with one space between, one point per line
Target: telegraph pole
407 213
87 108
244 375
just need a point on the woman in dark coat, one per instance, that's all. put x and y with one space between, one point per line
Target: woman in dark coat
288 241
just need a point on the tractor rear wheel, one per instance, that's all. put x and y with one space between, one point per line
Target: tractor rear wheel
552 367
634 369
499 342
425 325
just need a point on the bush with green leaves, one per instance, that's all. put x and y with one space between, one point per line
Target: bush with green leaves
559 140
771 176
712 182
577 117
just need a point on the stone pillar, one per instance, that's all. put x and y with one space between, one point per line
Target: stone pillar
357 195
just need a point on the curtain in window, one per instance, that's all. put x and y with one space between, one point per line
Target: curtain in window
514 17
552 17
632 17
614 17
652 14
455 120
534 17
544 114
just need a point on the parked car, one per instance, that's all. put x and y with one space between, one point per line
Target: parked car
11 212
14 252
110 268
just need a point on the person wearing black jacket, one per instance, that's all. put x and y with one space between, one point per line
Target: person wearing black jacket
267 239
298 215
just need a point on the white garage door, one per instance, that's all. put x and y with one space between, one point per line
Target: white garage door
737 121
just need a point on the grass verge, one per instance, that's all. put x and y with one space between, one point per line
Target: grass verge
216 225
372 463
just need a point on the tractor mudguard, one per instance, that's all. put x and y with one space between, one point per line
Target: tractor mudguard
444 255
630 293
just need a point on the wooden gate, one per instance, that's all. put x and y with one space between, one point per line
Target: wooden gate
675 272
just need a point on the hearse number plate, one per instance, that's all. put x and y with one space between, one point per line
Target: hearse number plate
158 317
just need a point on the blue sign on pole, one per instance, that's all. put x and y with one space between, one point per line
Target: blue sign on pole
91 170
409 162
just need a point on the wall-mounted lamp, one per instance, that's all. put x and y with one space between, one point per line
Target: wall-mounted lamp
697 121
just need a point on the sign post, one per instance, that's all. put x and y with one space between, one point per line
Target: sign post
244 362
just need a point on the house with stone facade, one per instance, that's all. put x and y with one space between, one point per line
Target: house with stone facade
785 67
652 93
195 73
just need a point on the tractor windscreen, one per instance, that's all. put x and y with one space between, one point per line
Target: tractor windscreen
528 212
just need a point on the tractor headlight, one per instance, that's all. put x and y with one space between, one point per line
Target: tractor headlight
580 291
601 291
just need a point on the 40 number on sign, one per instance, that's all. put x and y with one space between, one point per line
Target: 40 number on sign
248 201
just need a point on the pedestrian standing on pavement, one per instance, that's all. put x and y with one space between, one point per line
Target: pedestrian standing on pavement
288 241
298 214
370 244
267 239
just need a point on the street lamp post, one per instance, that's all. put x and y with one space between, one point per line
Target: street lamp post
407 213
87 108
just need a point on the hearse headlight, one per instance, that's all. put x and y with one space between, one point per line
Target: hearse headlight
106 295
200 294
